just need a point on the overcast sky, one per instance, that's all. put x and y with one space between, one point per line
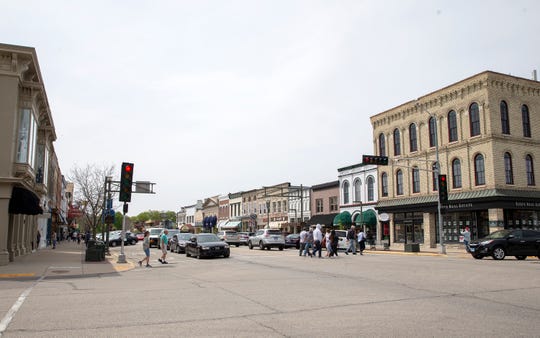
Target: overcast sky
213 97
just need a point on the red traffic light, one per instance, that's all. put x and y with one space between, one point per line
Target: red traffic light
127 168
443 178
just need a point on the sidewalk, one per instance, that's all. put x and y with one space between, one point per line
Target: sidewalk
67 260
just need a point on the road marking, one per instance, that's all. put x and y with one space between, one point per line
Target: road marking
15 275
16 306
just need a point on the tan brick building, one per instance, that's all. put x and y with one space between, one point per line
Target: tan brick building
488 132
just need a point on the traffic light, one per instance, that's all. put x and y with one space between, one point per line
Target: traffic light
443 189
126 181
372 159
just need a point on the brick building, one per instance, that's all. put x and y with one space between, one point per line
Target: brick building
487 128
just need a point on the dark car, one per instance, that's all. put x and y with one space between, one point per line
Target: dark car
207 245
178 242
499 244
292 241
116 240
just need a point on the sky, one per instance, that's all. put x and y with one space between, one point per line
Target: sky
215 97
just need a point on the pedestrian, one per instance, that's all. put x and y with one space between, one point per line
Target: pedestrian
303 236
328 242
87 238
309 243
79 238
38 239
334 240
466 238
317 240
163 241
53 238
146 249
361 241
370 240
351 237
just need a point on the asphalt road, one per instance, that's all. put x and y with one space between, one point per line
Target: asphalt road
279 294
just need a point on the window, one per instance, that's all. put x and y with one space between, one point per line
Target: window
530 170
384 184
505 121
345 189
479 171
415 180
399 182
26 143
357 191
452 127
526 121
456 173
397 142
382 145
474 119
273 207
333 203
432 132
508 171
413 140
434 180
284 203
319 205
370 192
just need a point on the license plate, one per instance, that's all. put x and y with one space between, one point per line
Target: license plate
275 238
472 249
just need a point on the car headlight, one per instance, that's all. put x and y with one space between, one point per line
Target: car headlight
486 242
226 246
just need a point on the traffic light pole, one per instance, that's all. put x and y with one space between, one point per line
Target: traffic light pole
122 256
437 172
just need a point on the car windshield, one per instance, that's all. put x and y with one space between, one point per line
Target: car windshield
185 237
274 232
499 234
155 231
207 238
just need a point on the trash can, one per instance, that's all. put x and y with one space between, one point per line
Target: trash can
412 247
95 251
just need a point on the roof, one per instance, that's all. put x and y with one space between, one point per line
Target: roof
327 185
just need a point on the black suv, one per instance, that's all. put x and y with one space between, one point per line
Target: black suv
499 244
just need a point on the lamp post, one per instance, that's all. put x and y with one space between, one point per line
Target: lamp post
268 214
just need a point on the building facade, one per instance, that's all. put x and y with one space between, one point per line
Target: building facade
485 131
324 203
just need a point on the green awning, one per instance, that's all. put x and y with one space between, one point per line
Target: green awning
368 217
342 219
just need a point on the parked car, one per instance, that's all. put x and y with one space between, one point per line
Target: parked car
178 242
229 236
267 238
131 238
140 236
170 234
343 243
115 239
243 237
154 236
502 243
292 241
207 245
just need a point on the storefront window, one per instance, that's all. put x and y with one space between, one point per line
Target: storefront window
409 226
522 219
454 223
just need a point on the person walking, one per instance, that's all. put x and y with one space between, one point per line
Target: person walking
38 239
351 237
53 239
164 240
303 236
146 249
466 238
328 242
361 241
317 240
309 243
334 240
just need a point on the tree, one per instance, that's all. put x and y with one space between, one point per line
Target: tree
89 192
154 215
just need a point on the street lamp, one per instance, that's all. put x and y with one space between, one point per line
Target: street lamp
268 214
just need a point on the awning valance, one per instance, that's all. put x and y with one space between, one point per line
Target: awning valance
231 225
342 219
368 217
24 202
326 219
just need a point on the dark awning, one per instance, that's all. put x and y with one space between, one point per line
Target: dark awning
368 217
343 219
24 202
327 219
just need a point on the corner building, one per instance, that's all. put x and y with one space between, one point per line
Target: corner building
486 130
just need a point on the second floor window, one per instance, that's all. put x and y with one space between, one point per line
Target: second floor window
529 167
319 205
508 171
370 191
382 145
413 140
345 192
452 127
357 191
505 120
456 173
399 182
384 184
526 121
415 180
397 142
432 131
479 170
333 203
474 119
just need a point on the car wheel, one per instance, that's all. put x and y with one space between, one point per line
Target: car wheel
250 246
280 248
261 245
237 245
268 248
227 255
478 256
113 244
133 242
521 258
498 253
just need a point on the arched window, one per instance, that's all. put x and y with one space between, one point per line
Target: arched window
452 127
415 180
508 170
382 145
505 119
370 191
345 192
357 191
397 142
479 170
530 170
384 184
474 119
432 131
456 173
399 182
413 140
526 121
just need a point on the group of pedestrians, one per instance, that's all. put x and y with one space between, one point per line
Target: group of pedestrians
163 241
312 241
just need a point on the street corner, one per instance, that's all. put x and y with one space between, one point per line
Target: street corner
120 267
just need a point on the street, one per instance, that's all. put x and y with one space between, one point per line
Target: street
275 293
